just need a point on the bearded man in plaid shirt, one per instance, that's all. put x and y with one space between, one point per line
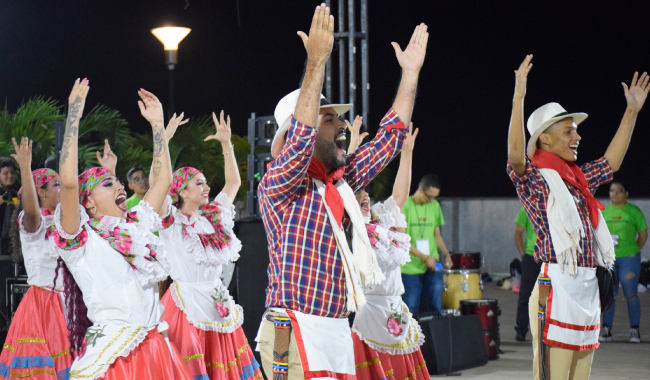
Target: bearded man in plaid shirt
307 205
572 236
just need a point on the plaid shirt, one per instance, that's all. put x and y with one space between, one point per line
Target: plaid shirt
533 194
305 270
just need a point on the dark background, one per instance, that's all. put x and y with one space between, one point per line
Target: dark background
243 56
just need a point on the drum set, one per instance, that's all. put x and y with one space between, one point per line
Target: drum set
463 295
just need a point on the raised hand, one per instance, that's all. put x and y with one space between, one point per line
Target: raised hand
409 142
638 91
355 138
223 129
150 107
107 160
321 35
174 123
23 155
522 76
412 58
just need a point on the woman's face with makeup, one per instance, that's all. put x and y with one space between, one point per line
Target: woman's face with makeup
107 198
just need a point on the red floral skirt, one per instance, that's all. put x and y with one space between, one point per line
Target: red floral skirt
373 365
150 361
37 344
210 354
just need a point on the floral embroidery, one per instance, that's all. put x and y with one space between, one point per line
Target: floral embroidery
120 239
219 303
41 177
373 236
394 321
92 334
66 244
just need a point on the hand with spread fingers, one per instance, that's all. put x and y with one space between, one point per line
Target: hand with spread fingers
223 129
355 137
409 141
173 124
23 155
321 35
637 92
108 160
150 107
522 76
412 58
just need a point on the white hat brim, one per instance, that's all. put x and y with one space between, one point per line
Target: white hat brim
577 117
278 139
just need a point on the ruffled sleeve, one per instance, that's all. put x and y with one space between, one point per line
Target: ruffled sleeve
30 236
64 240
168 220
146 216
390 245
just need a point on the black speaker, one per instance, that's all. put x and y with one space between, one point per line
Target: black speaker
452 343
250 278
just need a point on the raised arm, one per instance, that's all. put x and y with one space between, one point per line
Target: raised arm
635 96
107 160
516 133
411 60
170 131
402 185
68 163
29 195
231 171
355 137
152 110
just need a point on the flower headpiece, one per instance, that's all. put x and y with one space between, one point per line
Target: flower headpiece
181 178
89 179
41 177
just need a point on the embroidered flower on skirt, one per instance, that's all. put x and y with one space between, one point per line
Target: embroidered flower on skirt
219 302
394 321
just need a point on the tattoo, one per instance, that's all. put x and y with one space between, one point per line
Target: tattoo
157 167
158 143
70 130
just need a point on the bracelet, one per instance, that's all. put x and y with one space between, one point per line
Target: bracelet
225 154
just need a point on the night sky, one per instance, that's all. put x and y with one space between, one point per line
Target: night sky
243 56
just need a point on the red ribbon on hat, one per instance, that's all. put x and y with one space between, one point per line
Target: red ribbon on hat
332 196
572 175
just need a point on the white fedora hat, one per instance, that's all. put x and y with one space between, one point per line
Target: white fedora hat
285 109
544 117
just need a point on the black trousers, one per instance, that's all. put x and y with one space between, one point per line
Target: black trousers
530 270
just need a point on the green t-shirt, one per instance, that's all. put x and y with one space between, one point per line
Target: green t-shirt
531 237
422 221
132 201
625 222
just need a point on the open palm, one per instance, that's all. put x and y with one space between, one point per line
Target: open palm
150 107
638 91
223 129
412 58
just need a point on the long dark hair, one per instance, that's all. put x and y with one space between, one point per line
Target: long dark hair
15 246
77 312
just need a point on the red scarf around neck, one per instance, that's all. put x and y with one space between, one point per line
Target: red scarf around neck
572 175
332 197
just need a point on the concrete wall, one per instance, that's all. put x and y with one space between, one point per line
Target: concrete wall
487 225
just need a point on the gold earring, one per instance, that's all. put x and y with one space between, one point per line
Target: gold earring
93 210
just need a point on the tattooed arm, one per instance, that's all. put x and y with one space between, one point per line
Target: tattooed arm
161 171
172 125
69 162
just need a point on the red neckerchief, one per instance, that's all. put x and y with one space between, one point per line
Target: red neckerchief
572 175
332 197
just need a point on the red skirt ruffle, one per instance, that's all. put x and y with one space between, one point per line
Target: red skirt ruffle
37 344
210 354
373 365
150 361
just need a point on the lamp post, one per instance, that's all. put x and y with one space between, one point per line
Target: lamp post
171 36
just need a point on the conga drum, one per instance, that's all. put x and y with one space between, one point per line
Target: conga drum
460 284
488 312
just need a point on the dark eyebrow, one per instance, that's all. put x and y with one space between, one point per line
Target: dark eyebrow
329 114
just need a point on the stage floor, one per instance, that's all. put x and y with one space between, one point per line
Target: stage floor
616 359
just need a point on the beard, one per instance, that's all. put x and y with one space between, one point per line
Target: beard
326 152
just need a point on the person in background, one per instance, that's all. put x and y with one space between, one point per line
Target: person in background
629 232
9 193
423 272
529 270
139 183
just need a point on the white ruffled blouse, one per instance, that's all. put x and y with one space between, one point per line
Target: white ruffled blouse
40 254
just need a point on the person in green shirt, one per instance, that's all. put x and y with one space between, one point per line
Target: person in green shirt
423 273
139 183
529 270
629 231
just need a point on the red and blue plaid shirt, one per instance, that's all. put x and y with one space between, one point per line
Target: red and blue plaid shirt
533 194
305 270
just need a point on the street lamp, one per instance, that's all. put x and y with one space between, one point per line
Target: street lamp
171 36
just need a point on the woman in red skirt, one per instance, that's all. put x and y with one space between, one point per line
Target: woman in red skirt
112 262
386 338
37 345
204 321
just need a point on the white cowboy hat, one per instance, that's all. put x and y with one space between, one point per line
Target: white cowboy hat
285 109
544 117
